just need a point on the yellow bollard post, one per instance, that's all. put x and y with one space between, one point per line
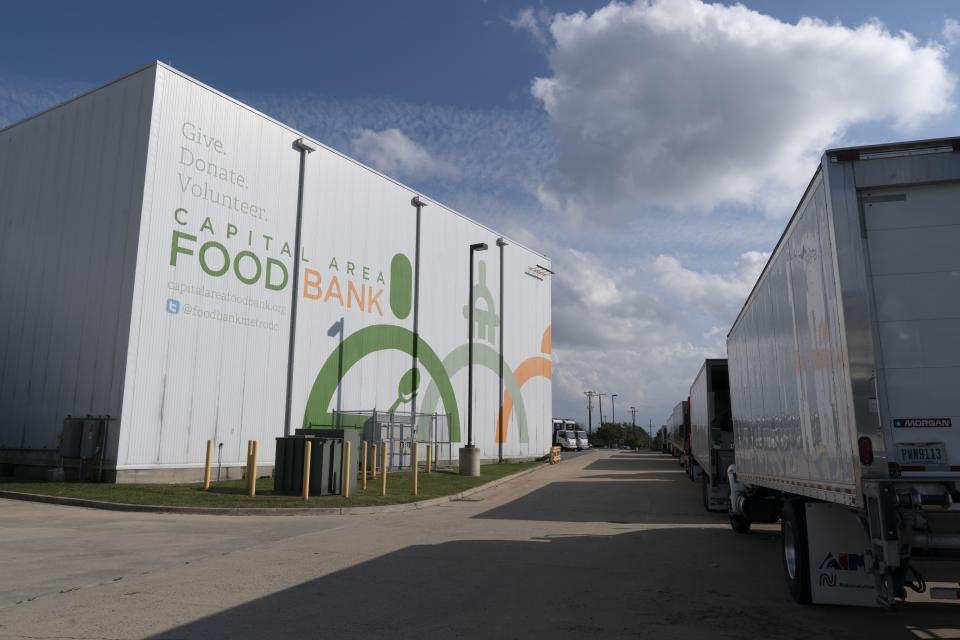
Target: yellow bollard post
206 466
383 469
363 467
373 459
416 471
345 474
429 454
247 472
307 455
252 470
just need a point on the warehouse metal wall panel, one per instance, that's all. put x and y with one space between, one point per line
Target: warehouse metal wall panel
72 181
208 351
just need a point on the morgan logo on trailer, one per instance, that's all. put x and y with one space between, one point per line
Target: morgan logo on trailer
920 423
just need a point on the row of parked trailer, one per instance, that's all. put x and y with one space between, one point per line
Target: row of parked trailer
836 411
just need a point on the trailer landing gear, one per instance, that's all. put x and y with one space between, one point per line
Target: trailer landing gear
739 523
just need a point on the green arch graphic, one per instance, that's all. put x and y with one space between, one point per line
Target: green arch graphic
485 356
355 347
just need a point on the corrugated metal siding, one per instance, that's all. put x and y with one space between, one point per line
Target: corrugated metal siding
72 181
193 378
788 384
190 379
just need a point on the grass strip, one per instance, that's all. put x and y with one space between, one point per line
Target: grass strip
232 493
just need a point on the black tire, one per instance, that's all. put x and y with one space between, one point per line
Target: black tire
705 486
795 553
739 524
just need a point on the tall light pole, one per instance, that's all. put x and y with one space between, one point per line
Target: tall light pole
470 455
633 420
600 401
304 148
613 408
418 204
500 419
589 395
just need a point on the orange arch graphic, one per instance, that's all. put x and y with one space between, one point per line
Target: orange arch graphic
533 367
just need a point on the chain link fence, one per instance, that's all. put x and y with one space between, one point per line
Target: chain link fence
400 429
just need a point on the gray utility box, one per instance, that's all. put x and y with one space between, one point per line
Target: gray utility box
325 468
82 443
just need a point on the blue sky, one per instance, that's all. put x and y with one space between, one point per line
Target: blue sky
653 150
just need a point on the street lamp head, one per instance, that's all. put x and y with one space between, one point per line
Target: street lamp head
417 202
301 144
501 242
479 246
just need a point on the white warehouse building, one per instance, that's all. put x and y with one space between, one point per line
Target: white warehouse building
150 289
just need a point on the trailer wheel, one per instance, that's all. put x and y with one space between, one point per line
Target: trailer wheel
739 524
705 486
796 560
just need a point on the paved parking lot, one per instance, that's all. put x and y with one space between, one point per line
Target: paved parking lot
606 544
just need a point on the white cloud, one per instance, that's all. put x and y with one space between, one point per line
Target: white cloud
596 305
393 153
951 32
496 152
715 293
534 23
21 97
684 105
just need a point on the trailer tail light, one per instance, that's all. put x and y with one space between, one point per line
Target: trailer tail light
865 445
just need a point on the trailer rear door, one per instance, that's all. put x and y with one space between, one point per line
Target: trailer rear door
913 243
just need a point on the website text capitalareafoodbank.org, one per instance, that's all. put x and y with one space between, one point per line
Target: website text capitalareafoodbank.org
225 296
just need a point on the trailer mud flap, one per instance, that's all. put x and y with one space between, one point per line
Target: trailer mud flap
840 557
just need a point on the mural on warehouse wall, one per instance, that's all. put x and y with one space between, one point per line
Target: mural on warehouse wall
439 395
215 293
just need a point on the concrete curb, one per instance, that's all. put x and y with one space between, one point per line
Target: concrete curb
266 511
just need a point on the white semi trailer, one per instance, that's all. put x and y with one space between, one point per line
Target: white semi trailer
711 433
844 368
679 426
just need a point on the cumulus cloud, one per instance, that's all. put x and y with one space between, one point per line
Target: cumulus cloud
684 105
605 306
393 153
951 32
614 333
721 294
652 378
533 22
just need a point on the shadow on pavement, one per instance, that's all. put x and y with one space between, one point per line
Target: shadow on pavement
633 464
650 476
627 501
659 583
